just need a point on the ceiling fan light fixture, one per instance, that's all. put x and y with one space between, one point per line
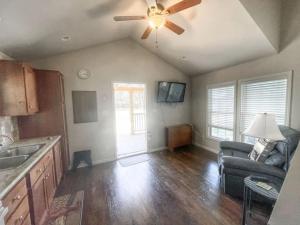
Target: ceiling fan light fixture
157 21
157 16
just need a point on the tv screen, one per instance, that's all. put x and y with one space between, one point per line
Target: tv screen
163 90
171 92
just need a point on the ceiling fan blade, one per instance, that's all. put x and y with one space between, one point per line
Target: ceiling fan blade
173 27
126 18
182 6
147 32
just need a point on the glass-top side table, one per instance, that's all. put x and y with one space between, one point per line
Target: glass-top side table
250 185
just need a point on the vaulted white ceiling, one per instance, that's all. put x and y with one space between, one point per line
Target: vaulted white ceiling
217 33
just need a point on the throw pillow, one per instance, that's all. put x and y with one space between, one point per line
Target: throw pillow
261 150
275 158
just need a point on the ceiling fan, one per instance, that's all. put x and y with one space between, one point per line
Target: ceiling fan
157 16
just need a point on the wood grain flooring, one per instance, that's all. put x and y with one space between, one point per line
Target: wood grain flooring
180 188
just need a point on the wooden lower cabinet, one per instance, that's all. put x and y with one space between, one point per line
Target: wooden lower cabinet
42 193
28 201
27 220
43 190
19 216
16 202
50 183
39 202
58 162
14 198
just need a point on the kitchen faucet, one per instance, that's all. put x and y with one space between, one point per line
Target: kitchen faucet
11 139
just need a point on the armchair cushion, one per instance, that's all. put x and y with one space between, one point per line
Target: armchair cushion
233 153
251 167
275 158
236 146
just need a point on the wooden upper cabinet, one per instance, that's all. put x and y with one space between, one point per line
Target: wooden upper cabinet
18 94
30 89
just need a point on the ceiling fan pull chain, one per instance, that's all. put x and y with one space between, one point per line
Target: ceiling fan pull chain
156 41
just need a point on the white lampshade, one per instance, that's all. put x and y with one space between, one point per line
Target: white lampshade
264 126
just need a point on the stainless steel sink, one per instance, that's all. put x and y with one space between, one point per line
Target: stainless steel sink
14 157
28 150
12 162
22 150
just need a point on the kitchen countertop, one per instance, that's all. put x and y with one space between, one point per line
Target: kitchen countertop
10 177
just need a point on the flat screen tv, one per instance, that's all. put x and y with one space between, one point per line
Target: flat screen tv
171 92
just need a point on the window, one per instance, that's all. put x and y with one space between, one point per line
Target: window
265 95
269 94
221 112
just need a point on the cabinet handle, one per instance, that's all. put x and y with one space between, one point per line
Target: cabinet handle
17 198
39 170
20 219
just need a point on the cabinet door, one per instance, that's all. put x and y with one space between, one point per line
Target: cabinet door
58 163
30 89
50 183
39 200
12 90
185 133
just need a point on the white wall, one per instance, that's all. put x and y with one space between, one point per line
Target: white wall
287 207
267 15
4 56
117 61
288 59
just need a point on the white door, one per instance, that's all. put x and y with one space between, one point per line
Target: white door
130 112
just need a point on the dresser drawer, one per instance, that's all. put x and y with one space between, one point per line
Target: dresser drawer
20 215
36 172
15 197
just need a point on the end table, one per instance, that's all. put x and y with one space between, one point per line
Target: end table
250 185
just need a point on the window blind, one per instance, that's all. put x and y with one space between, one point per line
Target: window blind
221 109
263 96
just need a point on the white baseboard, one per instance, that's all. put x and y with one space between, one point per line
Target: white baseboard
206 148
158 149
96 162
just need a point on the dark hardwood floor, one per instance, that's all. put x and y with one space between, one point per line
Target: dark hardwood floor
180 188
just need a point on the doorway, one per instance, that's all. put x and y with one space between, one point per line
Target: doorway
130 113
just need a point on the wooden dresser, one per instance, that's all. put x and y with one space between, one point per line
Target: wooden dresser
179 135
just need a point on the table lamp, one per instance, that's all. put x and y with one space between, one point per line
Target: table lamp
264 126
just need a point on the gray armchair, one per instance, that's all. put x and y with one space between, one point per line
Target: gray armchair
235 165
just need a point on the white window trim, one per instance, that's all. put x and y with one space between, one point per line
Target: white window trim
288 75
220 85
237 101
